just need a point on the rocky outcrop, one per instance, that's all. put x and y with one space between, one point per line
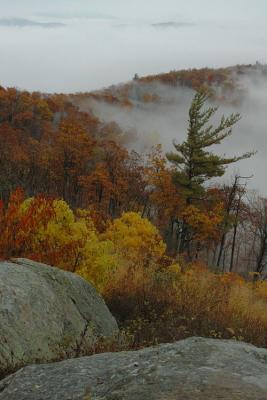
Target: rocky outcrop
192 369
47 314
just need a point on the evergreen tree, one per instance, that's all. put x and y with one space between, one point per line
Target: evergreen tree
195 164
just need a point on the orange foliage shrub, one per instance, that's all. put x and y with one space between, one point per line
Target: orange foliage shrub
41 229
204 223
17 229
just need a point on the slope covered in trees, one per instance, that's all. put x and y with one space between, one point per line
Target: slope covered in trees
223 84
161 240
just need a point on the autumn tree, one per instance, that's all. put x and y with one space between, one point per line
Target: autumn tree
195 165
106 188
136 240
164 204
19 224
204 225
139 249
70 158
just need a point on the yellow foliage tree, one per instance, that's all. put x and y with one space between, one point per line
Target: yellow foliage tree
72 243
98 257
136 240
59 241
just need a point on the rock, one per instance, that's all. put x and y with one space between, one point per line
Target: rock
192 369
47 314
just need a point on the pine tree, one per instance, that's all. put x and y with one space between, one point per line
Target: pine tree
195 164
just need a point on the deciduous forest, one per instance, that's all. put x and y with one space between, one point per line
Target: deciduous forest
174 248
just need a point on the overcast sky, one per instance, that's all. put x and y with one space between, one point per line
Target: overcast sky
78 45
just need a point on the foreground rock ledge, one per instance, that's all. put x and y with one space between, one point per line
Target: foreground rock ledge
192 369
47 314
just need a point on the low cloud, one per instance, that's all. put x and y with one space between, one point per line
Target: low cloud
23 23
172 25
163 25
77 15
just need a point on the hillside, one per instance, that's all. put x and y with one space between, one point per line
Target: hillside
92 183
220 82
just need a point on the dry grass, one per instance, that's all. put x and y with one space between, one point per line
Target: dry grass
164 305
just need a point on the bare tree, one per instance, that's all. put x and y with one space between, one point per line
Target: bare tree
234 206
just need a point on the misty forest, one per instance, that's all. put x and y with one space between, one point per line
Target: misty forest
150 194
81 191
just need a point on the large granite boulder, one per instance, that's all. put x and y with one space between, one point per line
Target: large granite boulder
192 369
47 314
